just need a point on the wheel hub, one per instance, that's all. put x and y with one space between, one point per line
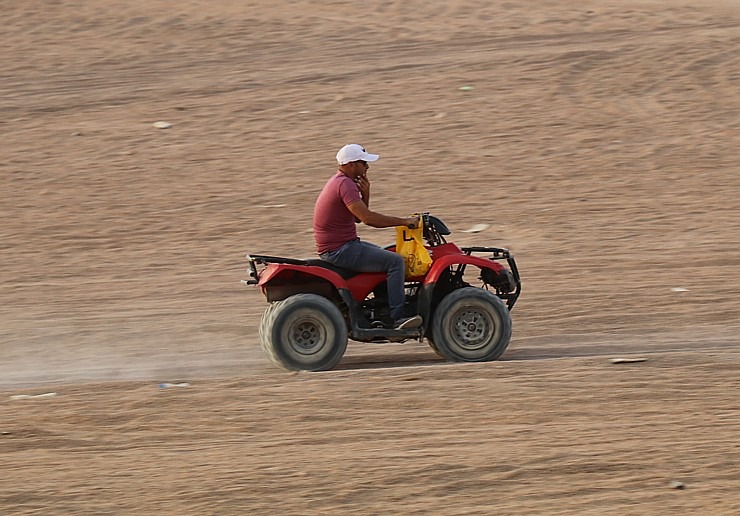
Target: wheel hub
472 329
306 338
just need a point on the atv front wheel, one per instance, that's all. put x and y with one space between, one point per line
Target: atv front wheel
471 325
304 332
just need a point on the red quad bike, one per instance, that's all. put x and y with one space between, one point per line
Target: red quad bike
315 307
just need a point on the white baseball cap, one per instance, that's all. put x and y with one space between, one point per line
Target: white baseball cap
354 152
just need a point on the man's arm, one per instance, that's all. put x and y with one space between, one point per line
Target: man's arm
377 220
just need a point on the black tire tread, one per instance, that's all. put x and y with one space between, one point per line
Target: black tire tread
437 341
268 322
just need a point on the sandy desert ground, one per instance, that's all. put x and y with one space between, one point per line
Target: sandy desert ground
598 140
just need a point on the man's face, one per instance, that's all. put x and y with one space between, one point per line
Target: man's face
361 168
358 168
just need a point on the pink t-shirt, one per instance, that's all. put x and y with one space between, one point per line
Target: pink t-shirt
333 223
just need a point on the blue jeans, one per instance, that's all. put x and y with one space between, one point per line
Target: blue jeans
360 256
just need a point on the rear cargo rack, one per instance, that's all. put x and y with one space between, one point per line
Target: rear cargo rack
261 259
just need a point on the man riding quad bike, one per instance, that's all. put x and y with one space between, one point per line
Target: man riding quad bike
315 307
361 291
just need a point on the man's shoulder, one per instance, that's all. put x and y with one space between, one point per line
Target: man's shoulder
332 180
341 187
339 177
340 182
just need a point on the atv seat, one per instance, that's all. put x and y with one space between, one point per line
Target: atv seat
344 273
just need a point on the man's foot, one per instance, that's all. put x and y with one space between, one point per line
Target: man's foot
408 323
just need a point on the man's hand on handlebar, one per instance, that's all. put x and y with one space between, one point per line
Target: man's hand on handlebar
412 222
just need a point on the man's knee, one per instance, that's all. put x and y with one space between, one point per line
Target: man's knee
396 262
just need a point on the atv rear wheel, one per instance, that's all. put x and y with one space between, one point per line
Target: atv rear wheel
304 332
471 325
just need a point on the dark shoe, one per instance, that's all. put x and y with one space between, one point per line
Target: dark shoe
408 322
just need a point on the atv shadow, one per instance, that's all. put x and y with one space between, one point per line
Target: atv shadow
415 358
420 355
640 346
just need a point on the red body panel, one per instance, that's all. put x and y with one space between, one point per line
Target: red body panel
452 255
273 270
362 284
